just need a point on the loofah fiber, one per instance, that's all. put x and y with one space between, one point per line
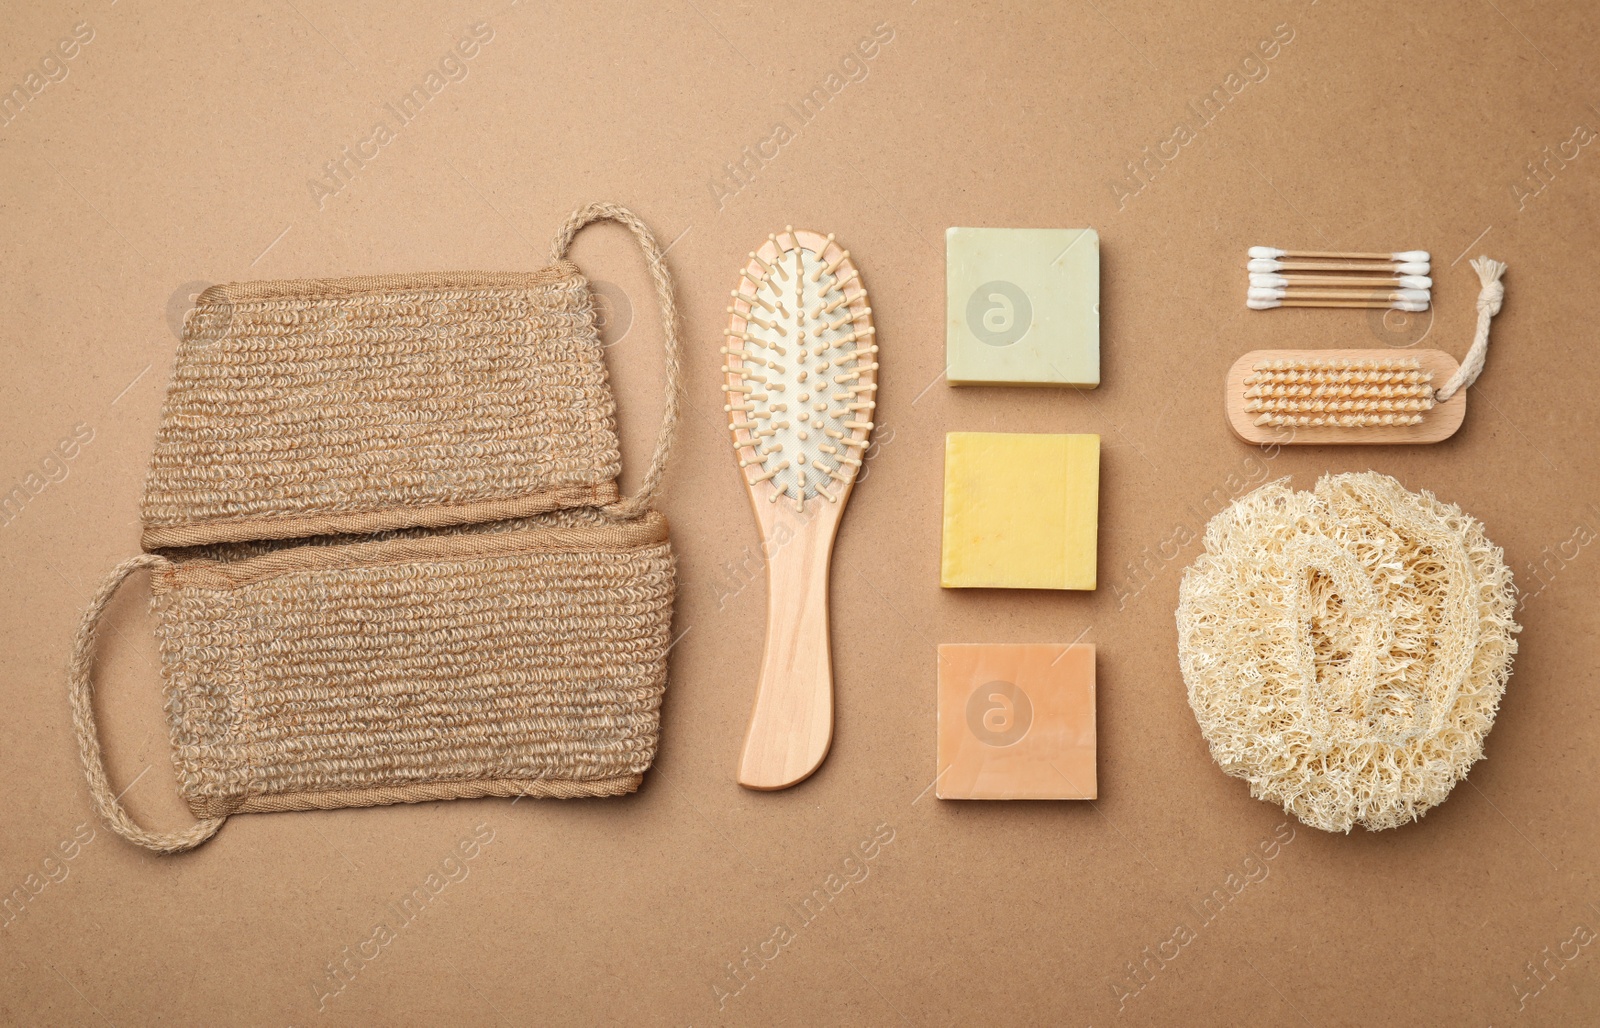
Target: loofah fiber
1345 649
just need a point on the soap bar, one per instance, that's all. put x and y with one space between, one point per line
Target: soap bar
1020 511
1016 722
1022 306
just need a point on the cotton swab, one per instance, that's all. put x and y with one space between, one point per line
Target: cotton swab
1338 278
1399 305
1265 293
1403 281
1261 264
1405 256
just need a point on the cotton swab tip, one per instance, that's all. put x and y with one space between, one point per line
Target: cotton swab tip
1260 279
1266 251
1260 305
1413 267
1410 305
1264 264
1412 255
1416 281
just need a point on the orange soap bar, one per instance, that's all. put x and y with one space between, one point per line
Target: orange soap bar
1016 722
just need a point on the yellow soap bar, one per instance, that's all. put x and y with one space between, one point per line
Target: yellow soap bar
1020 511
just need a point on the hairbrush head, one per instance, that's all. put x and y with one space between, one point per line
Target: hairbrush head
801 366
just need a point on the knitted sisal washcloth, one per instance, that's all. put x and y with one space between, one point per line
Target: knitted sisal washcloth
389 559
1345 649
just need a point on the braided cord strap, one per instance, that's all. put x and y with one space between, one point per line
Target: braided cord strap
1490 298
81 695
641 501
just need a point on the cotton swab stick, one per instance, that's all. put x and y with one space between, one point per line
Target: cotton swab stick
1265 293
1403 281
1406 256
1402 267
1399 305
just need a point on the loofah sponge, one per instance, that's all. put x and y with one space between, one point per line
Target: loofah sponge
1345 649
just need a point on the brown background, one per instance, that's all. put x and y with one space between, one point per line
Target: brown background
177 151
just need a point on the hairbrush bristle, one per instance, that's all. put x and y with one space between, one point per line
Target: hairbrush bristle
800 373
1316 392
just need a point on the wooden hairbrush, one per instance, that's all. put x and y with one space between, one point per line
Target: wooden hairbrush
800 375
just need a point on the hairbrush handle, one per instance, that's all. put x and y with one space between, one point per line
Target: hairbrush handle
791 725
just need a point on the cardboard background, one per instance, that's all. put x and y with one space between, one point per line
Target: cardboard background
177 151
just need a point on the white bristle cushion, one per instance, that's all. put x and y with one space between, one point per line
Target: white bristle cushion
797 350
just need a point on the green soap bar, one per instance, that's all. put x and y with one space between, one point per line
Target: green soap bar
1023 306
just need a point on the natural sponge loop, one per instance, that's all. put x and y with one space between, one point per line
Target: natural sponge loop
1345 649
